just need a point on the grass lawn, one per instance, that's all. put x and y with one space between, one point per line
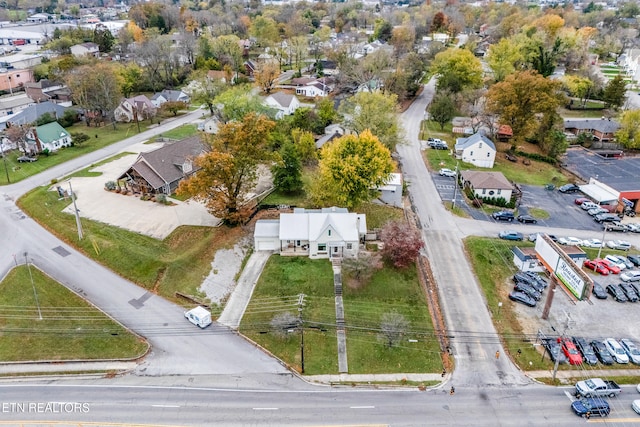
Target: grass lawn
181 132
178 263
580 114
70 327
297 199
491 259
277 291
431 129
100 138
536 173
87 172
379 215
538 213
389 290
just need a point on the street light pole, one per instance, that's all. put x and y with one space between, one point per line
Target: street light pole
300 305
604 230
455 188
33 286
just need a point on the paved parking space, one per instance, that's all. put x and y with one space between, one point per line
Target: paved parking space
620 173
594 319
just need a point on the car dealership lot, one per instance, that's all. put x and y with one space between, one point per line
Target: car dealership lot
618 172
591 319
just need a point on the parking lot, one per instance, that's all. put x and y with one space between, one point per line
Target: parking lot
593 319
563 212
620 173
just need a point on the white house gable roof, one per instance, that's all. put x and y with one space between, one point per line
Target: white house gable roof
294 226
463 143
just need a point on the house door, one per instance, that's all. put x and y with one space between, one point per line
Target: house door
335 252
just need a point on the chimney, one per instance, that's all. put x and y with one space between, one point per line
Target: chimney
35 136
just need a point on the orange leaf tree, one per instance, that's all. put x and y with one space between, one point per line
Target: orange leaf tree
229 171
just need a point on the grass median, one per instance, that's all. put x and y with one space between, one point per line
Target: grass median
43 320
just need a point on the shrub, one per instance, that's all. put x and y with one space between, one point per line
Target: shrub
110 185
161 198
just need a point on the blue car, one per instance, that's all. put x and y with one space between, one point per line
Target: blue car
592 406
510 235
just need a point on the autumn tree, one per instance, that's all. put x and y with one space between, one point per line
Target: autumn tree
305 146
173 107
439 23
229 171
503 58
130 78
457 69
521 97
287 171
578 87
236 102
615 92
204 90
349 168
402 243
96 89
375 111
226 49
629 133
442 109
266 76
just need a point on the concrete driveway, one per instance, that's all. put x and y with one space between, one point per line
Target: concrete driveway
129 212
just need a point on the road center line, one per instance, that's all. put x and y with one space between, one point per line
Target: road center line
265 409
362 407
165 406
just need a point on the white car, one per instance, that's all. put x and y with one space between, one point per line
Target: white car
617 262
592 243
588 205
447 172
631 349
630 276
622 245
635 405
596 211
616 350
569 241
633 227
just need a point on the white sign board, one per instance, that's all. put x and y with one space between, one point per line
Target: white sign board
558 263
570 278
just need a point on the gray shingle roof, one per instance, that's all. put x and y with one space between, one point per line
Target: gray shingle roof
482 179
463 143
164 165
604 126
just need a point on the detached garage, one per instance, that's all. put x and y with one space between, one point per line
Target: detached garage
266 235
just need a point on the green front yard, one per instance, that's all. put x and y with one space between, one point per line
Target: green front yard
536 173
100 138
389 290
58 325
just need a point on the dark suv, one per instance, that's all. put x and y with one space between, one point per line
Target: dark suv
503 216
569 188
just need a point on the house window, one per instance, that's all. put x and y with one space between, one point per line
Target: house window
491 192
349 246
480 145
499 191
484 191
329 233
471 154
322 247
488 154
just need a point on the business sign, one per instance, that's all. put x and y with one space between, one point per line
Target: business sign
570 278
558 263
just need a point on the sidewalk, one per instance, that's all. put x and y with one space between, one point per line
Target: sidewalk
65 368
237 304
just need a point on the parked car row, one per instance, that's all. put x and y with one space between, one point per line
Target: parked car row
528 288
509 217
579 350
621 245
624 292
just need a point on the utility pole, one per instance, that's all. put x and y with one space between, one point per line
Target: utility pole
564 332
455 188
4 159
604 231
75 210
300 322
33 286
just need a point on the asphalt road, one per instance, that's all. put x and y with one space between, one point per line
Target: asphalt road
199 406
474 339
178 348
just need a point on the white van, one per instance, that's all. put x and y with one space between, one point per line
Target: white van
199 316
